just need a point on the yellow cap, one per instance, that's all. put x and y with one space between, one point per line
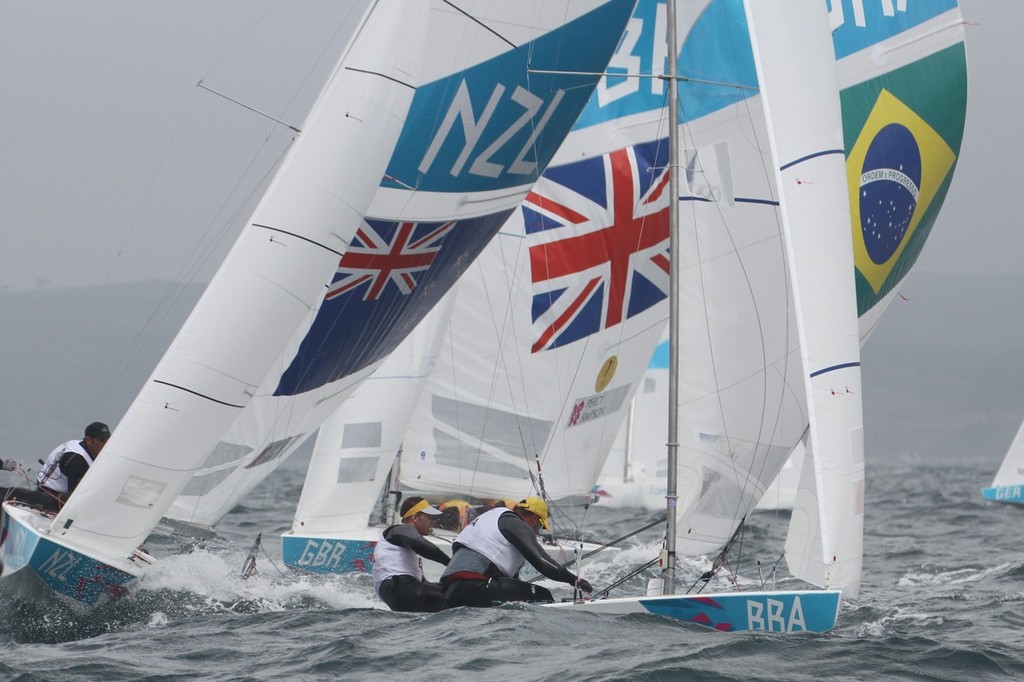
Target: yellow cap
415 505
537 506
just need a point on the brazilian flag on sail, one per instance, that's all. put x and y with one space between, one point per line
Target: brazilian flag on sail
903 132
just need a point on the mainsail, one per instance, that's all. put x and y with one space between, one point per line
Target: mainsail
429 132
499 94
902 82
264 291
801 109
768 336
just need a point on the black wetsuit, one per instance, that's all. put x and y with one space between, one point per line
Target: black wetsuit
407 592
472 580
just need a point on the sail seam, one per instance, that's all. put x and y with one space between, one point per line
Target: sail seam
482 24
382 75
299 236
205 397
833 368
815 155
738 200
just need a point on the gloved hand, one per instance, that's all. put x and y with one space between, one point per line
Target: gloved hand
584 585
8 464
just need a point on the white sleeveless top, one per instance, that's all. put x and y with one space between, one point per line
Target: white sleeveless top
482 536
50 476
391 560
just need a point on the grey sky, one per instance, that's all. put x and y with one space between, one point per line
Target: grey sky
114 167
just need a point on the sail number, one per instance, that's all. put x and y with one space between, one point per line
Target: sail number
59 564
472 129
774 616
322 554
1009 493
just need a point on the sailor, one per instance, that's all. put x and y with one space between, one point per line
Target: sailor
64 468
398 560
487 556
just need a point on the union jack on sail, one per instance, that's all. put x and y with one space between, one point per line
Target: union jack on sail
373 259
598 233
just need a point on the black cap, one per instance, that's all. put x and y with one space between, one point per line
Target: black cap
97 430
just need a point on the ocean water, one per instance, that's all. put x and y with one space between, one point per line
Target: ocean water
942 600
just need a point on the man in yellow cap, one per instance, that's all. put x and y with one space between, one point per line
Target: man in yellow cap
398 560
489 552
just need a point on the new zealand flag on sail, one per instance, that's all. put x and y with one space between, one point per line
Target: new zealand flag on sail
599 234
389 278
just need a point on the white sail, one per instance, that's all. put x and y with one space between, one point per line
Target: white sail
508 406
1011 471
801 93
1008 484
634 474
886 89
270 281
358 445
482 129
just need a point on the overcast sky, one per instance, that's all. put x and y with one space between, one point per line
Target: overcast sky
115 167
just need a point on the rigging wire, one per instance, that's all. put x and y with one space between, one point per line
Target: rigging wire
611 543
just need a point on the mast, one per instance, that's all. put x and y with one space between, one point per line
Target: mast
669 569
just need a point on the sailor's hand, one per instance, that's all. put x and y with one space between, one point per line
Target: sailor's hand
583 585
8 464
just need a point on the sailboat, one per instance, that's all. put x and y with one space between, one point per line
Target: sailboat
430 107
1008 485
762 376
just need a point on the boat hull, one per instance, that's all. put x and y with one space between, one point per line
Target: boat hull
1009 494
353 552
321 554
782 612
33 562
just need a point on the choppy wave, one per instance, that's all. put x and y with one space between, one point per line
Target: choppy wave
941 600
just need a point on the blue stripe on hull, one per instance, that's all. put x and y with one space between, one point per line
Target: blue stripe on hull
62 570
327 555
767 611
1012 494
775 611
